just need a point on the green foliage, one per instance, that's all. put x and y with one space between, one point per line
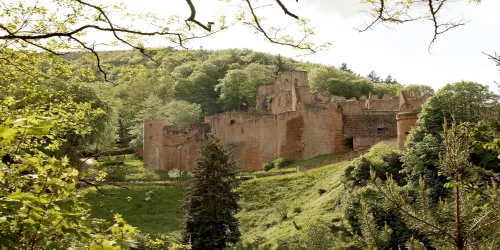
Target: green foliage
268 166
175 112
468 217
381 159
338 82
282 210
373 77
419 90
39 203
212 202
386 89
378 225
466 101
282 162
361 171
344 83
239 86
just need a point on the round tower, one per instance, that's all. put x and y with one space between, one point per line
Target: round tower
153 143
405 120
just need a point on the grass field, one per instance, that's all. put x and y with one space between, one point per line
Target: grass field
127 168
160 213
294 165
314 195
304 197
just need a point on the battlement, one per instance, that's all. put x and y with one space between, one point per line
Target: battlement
292 88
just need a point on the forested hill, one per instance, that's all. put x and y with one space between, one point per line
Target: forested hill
184 85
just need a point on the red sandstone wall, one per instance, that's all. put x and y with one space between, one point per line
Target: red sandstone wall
153 147
384 104
298 135
370 127
405 122
322 132
262 96
253 140
180 147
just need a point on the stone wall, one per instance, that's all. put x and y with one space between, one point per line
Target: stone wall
405 122
153 143
296 124
264 94
299 135
370 127
180 146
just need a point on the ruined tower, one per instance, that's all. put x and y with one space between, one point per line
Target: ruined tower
405 122
153 143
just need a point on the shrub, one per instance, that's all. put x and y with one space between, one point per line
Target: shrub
321 191
383 217
145 175
282 162
393 167
297 210
268 166
361 172
347 176
378 151
282 210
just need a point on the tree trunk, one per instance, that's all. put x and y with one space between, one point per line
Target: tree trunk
459 239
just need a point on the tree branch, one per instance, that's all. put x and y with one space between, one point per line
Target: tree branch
283 7
192 18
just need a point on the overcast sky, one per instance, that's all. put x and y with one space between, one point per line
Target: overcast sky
401 51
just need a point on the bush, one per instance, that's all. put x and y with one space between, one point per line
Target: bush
361 172
282 162
383 216
321 191
393 167
268 166
144 175
297 210
282 210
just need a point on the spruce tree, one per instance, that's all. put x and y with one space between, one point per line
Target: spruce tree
212 201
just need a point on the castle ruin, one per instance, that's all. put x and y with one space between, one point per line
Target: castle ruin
293 123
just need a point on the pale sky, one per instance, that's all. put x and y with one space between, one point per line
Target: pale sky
401 51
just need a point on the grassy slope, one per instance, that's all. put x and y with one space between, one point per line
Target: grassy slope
262 197
259 216
161 214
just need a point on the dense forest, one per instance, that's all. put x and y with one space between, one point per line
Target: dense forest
182 86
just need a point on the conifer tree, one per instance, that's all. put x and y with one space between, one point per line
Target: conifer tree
373 76
344 67
212 201
469 218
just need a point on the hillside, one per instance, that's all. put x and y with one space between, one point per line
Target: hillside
305 198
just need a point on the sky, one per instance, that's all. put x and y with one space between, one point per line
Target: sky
401 51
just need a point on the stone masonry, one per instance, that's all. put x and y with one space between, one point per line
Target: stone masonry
293 123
